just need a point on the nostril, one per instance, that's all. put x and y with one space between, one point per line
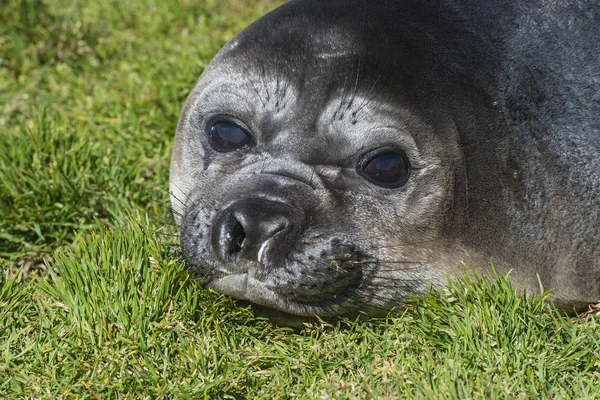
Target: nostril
237 238
256 230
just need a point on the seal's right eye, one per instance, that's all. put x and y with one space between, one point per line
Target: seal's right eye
227 135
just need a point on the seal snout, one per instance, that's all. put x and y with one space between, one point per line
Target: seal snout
256 229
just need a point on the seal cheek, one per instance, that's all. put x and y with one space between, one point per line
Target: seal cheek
257 230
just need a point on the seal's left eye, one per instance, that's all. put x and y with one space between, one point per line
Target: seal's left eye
385 169
225 136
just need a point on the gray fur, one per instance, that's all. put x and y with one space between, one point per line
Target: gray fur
495 104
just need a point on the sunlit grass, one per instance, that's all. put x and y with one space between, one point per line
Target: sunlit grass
94 302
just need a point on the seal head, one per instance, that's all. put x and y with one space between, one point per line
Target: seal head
336 157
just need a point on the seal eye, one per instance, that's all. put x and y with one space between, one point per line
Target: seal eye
226 136
388 169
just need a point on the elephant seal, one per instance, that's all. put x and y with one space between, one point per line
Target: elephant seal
339 155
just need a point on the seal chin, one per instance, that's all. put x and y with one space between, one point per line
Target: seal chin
246 288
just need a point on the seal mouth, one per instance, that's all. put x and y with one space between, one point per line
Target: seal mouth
244 287
281 318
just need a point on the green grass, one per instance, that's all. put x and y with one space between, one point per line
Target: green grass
93 300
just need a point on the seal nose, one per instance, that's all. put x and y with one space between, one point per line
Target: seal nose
257 230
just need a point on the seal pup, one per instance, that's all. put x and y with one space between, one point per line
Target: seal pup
339 155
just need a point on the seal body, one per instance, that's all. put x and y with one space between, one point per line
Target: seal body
339 155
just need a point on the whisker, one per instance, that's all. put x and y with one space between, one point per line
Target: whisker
342 100
181 191
168 206
367 99
262 76
356 80
172 195
256 89
165 221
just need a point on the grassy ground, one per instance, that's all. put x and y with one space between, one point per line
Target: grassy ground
95 304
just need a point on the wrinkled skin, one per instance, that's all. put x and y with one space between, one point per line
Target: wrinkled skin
494 105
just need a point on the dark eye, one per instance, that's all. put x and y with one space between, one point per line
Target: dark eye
389 169
225 136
